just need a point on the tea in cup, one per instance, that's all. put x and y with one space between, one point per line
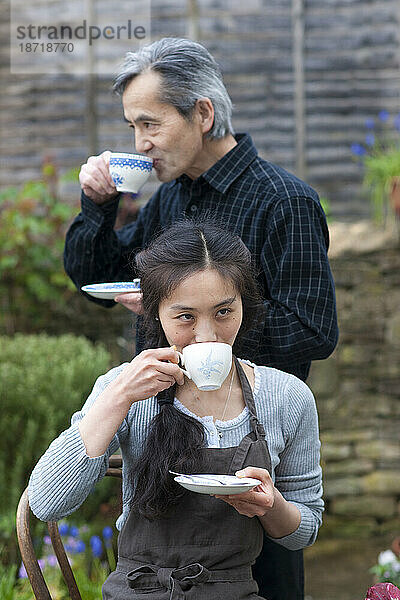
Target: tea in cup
207 364
129 171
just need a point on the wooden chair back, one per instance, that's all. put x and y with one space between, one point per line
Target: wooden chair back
35 575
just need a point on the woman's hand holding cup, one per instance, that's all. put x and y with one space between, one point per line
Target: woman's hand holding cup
149 373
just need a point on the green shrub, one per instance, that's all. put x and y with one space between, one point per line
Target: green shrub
43 380
33 285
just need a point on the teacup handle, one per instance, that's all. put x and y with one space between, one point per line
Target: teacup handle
183 362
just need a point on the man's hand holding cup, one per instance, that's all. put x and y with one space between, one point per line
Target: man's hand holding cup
95 178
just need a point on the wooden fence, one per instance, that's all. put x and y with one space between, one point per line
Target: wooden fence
304 75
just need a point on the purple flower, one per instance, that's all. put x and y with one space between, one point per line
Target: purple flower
358 149
52 560
74 531
22 574
369 123
96 545
383 116
370 139
47 540
41 563
63 529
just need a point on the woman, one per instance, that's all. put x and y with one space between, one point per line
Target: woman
197 286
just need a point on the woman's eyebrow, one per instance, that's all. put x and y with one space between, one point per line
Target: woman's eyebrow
222 303
180 307
225 302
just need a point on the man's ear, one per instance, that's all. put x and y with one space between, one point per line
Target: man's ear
205 113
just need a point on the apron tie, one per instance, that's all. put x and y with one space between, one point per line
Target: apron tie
175 580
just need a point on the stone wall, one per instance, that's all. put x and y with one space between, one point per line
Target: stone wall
358 397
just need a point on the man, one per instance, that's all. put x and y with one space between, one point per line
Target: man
175 101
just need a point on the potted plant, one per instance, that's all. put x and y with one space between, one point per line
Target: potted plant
380 158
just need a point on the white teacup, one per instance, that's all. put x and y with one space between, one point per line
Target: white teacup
129 171
207 364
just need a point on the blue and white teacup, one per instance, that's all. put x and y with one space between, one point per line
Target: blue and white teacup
129 171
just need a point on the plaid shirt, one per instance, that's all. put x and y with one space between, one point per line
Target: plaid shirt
280 220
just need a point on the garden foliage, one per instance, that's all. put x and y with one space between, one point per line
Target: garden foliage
33 285
43 380
379 156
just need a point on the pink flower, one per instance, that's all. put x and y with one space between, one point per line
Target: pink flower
383 591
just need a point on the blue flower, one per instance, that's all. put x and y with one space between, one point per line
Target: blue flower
96 545
22 574
63 529
383 116
80 547
396 122
370 139
358 149
75 545
107 536
369 123
74 531
107 532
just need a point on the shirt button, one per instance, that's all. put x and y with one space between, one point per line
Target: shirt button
193 208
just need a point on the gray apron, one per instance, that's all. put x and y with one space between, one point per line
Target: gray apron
203 549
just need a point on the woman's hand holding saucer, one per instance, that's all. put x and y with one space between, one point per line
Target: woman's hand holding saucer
259 500
277 516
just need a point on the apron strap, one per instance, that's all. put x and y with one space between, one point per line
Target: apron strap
256 426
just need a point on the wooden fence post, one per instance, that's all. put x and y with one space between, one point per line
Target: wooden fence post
193 20
90 90
299 87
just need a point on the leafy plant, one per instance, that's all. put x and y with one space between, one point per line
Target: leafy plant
32 278
388 568
326 207
43 380
380 157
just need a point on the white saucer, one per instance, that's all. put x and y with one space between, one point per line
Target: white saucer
210 484
108 291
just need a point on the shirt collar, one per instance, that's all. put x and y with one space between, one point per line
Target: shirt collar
229 167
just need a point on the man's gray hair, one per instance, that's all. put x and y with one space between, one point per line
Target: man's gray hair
188 72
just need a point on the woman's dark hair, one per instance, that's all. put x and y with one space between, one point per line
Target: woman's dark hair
174 439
